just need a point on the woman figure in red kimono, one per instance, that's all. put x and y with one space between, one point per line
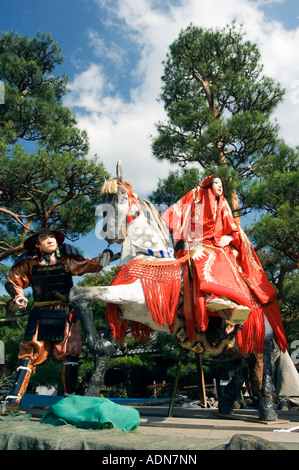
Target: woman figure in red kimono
228 279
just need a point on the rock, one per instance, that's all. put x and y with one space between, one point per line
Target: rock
248 442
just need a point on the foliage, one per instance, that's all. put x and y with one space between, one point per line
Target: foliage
178 183
46 179
218 103
175 186
104 278
116 391
6 381
217 100
188 375
48 374
275 191
129 362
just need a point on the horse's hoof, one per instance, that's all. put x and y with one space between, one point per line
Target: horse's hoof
267 411
267 415
225 406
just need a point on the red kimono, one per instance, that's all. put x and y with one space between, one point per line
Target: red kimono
233 272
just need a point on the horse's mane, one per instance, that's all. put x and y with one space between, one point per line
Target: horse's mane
110 186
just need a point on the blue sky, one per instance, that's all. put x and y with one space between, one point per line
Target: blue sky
113 53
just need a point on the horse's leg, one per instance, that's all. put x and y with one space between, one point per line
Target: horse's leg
121 294
256 379
267 410
97 380
100 346
234 387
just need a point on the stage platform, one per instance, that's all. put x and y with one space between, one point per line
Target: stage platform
189 429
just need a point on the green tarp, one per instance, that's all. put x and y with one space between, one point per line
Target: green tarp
92 413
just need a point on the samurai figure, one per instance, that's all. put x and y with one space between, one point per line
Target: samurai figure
48 265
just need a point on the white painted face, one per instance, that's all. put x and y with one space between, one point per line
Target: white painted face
48 242
217 187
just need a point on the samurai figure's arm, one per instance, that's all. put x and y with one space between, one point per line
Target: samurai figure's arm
18 279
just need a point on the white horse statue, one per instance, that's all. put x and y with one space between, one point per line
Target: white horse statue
146 293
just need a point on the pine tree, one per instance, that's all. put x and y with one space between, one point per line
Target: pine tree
218 104
46 178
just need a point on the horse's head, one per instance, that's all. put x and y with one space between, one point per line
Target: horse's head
126 216
120 206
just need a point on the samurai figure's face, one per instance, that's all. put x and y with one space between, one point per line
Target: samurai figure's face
47 241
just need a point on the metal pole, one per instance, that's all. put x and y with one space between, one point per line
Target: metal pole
201 380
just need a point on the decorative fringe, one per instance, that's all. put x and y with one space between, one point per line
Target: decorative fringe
161 286
251 337
118 325
162 299
140 331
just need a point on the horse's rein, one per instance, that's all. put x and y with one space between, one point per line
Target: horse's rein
132 200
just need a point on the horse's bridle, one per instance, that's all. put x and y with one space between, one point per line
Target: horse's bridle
131 199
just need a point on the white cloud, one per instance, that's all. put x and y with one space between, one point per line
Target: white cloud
87 89
119 126
269 2
113 51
